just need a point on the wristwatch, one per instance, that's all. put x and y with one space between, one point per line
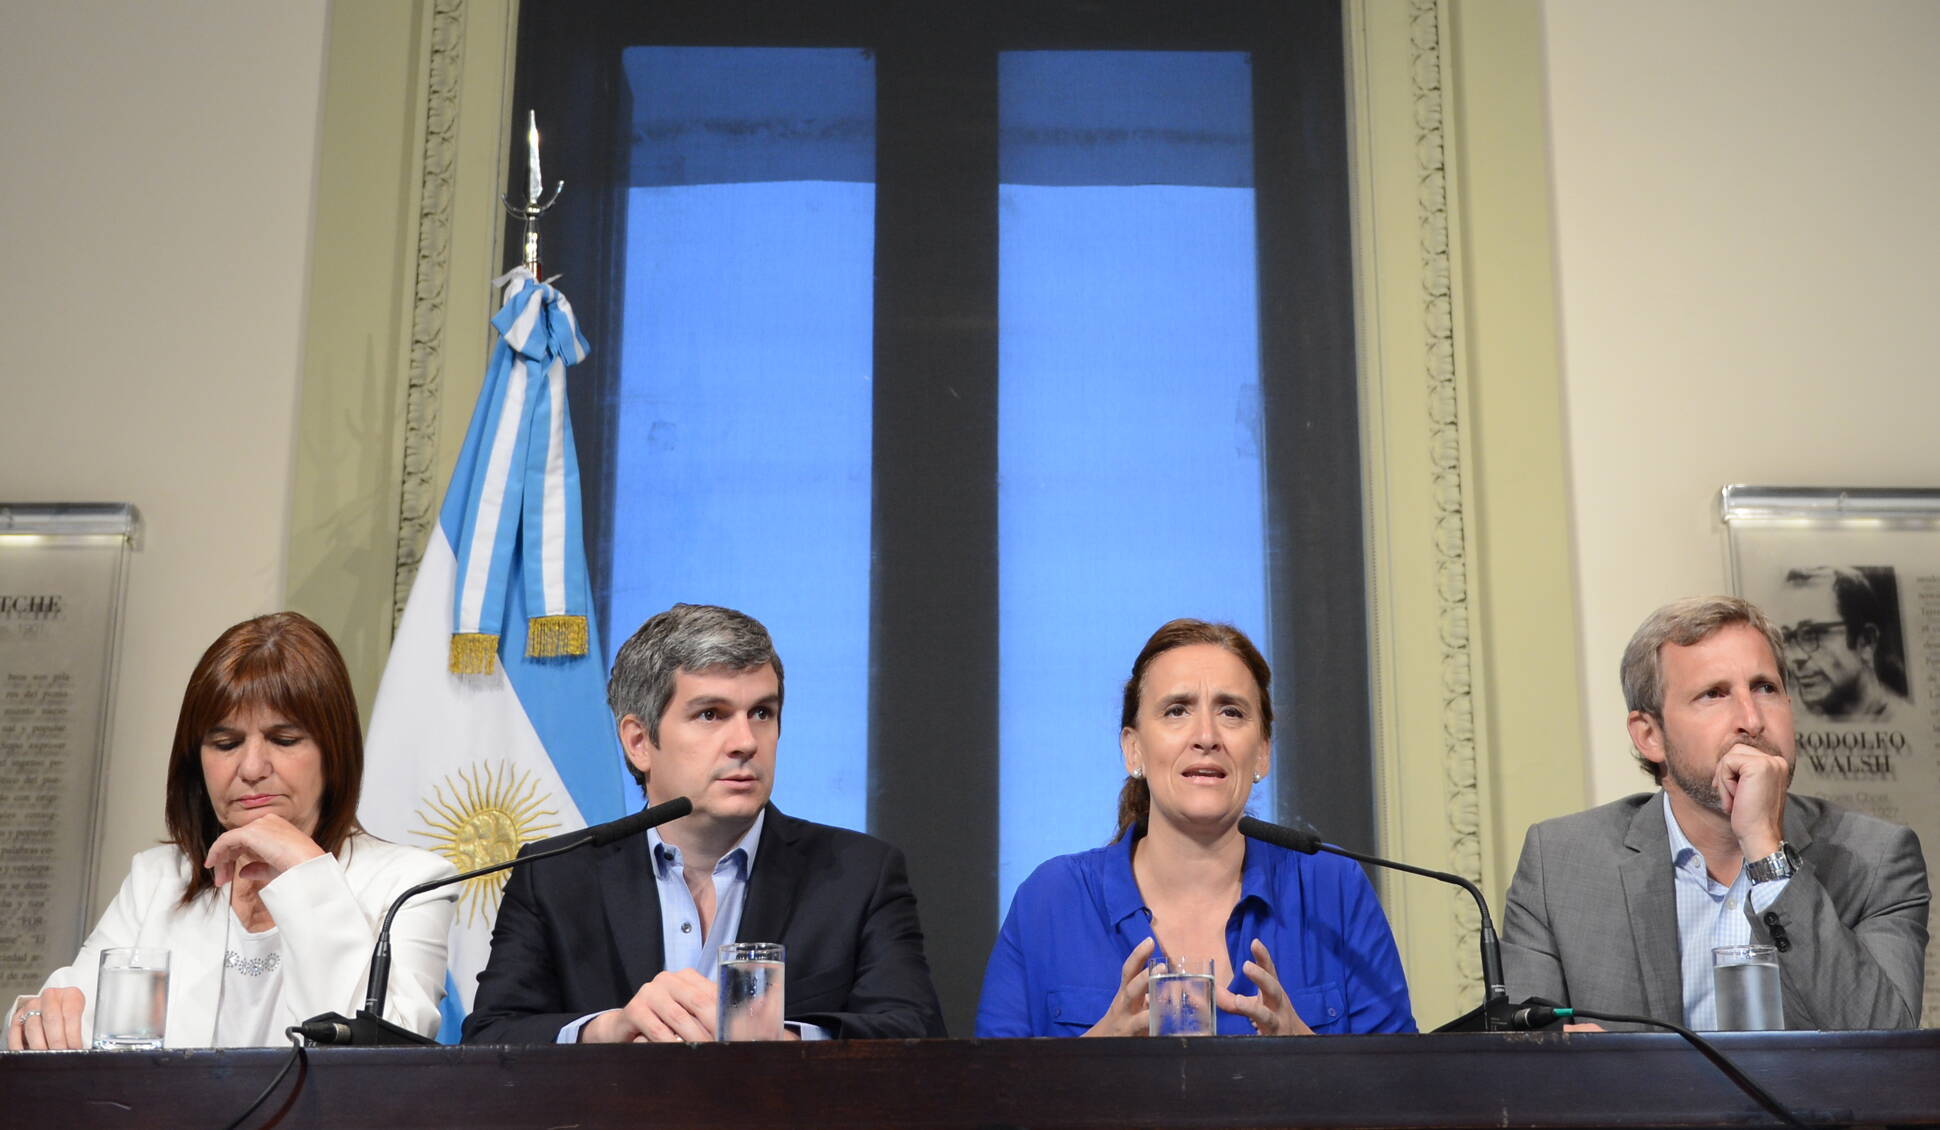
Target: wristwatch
1778 865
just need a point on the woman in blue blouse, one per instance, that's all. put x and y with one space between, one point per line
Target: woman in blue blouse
1300 944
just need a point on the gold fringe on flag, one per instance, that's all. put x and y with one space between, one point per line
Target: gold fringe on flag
473 653
555 637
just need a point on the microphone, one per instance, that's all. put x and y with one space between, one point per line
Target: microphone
369 1026
1496 1012
599 835
1302 838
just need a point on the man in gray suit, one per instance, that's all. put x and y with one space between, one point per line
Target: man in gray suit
1617 909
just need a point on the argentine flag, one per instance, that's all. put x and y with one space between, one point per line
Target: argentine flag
490 728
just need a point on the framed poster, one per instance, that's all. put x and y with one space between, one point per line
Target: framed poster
1852 579
63 568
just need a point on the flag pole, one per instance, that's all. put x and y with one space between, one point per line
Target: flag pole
537 203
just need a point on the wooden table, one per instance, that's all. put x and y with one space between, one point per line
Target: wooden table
1455 1080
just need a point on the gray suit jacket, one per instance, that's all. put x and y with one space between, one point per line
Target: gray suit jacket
1591 918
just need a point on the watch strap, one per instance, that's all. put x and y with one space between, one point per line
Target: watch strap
1778 865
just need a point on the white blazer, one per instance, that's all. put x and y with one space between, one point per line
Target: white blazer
327 912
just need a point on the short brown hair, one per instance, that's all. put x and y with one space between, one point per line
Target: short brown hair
1683 623
282 662
1135 797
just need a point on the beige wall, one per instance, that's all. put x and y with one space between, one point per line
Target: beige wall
1746 238
155 211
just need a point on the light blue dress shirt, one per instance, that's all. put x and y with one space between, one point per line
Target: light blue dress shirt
681 939
1709 914
680 934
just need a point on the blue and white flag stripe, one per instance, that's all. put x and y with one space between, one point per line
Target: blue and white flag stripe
555 466
530 474
485 543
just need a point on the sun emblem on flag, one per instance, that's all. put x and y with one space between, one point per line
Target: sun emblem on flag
488 814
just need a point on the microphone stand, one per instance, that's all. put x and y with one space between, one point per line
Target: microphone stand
1495 1007
1495 1012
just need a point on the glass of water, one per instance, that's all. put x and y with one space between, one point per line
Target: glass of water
131 998
1747 987
1179 996
752 983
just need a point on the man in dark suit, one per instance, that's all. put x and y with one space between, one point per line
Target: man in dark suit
1617 908
620 943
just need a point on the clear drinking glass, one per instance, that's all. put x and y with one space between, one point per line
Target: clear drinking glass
131 998
752 983
1180 996
1746 978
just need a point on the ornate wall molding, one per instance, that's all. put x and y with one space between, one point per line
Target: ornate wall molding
418 499
1445 441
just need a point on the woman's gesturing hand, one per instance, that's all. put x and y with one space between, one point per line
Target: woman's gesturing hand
1271 1012
1126 1016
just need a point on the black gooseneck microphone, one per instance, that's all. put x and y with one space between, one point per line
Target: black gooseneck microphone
369 1027
1496 1013
1495 1008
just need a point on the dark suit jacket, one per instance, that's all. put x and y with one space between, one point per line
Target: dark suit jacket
1591 918
581 933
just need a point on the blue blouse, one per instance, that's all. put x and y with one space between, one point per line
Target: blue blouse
1056 964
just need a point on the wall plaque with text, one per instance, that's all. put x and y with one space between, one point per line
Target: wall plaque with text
62 573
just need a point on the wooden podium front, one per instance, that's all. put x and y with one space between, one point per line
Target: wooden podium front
1454 1080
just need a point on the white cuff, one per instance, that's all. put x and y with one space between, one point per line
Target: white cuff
1763 895
570 1033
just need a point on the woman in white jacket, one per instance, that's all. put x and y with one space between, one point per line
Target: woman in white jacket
269 894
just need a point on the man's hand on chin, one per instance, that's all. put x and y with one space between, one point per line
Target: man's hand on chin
676 1006
1751 783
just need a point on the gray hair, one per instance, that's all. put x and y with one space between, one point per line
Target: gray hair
686 637
1683 623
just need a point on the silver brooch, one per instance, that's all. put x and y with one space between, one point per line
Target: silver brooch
251 966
